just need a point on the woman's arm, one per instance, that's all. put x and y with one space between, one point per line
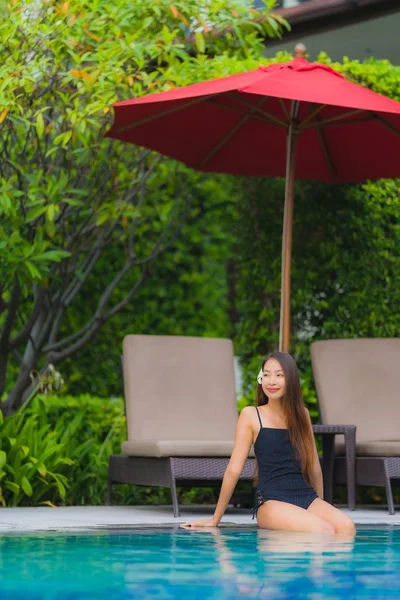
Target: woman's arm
241 449
317 480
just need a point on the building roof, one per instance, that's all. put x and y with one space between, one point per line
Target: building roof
313 16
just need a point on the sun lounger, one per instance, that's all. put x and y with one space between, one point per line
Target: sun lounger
358 381
181 411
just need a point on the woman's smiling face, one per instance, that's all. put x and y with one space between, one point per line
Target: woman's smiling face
273 379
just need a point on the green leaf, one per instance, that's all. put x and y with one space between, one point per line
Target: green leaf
3 458
51 212
33 271
66 461
103 219
59 140
51 255
67 137
26 486
34 213
47 503
60 486
41 467
200 42
40 125
50 228
13 487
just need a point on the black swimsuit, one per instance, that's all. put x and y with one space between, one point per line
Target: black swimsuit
280 476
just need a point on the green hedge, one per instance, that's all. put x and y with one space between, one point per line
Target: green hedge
55 451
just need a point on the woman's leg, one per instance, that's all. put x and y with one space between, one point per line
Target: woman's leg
342 523
275 514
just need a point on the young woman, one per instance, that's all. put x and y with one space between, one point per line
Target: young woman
289 493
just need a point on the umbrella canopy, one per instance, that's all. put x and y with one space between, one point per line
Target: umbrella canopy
294 120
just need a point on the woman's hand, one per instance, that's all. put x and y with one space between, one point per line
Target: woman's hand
194 524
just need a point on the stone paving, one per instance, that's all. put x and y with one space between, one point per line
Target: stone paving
74 518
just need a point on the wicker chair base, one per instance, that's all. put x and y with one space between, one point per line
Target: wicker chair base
376 471
171 472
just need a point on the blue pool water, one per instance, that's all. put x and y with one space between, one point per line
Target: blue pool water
226 564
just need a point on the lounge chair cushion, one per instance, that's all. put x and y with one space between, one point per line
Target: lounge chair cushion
179 388
375 448
358 382
178 448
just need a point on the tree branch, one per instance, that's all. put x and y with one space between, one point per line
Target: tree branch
91 329
78 339
23 335
128 297
6 331
87 267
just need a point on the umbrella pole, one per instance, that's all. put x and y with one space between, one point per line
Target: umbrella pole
291 153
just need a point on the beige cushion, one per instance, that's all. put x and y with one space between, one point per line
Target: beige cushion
358 383
178 448
180 396
388 448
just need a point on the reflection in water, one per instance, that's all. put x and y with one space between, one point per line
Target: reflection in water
220 564
297 542
284 562
303 561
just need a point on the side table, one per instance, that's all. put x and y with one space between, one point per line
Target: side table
328 433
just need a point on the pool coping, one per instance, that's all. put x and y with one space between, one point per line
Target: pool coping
84 518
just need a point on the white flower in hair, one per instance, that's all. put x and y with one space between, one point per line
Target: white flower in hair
259 376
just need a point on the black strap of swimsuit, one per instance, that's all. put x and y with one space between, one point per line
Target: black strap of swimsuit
259 418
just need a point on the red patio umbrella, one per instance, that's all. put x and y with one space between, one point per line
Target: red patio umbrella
294 120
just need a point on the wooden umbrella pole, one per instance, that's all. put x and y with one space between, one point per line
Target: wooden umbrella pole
291 152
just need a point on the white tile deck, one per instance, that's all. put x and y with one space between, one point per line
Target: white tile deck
102 517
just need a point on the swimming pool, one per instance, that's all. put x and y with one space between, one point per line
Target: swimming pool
225 564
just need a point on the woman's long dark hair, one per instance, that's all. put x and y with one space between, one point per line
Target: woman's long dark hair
294 410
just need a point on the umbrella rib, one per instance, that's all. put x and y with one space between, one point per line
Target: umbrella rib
284 109
163 114
324 147
240 112
267 115
334 119
387 125
231 133
313 114
355 122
